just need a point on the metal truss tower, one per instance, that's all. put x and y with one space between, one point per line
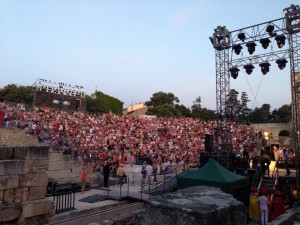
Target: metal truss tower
228 46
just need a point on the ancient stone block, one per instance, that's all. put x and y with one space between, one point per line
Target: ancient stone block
21 194
8 196
6 153
11 167
10 212
36 220
194 206
37 207
31 152
34 179
32 166
9 182
1 196
36 193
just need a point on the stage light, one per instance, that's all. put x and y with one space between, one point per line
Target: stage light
281 63
251 47
265 42
249 68
237 49
265 67
280 41
270 29
242 36
234 71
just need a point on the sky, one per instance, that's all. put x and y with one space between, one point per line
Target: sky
131 49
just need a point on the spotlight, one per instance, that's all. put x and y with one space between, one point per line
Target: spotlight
265 42
265 67
249 68
237 49
242 36
234 71
251 47
270 29
281 63
280 41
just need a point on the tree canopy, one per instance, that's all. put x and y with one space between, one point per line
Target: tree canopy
167 104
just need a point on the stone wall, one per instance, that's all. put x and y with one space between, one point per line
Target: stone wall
194 206
23 185
64 169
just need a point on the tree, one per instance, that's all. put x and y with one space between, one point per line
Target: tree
103 103
282 114
162 98
207 114
165 110
184 111
196 107
233 106
261 115
244 110
18 94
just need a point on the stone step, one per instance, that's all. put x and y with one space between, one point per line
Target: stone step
96 214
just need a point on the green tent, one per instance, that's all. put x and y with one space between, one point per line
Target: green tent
212 174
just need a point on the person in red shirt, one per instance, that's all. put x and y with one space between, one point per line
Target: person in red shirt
83 179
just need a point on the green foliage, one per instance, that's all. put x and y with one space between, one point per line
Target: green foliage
18 94
104 103
184 111
164 111
162 98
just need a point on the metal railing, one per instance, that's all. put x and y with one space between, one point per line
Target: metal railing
64 198
134 185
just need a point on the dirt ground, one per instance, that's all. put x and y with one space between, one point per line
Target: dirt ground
14 136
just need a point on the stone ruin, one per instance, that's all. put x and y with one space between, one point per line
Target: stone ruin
23 185
199 205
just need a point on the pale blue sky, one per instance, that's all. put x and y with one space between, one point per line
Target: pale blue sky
130 49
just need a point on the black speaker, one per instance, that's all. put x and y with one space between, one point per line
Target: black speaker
209 142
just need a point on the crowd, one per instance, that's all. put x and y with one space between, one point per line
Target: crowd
122 138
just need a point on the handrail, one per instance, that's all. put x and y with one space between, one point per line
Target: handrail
256 176
166 180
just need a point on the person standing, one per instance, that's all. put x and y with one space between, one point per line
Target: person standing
286 161
253 205
264 208
2 112
149 172
106 171
83 179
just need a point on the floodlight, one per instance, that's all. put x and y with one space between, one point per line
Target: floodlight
237 49
251 47
265 42
280 40
242 36
249 68
234 71
281 63
265 67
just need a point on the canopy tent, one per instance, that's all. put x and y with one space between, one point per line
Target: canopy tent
212 174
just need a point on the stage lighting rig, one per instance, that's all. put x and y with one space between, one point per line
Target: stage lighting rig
242 36
249 68
237 49
234 71
251 47
265 67
281 63
265 42
280 40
